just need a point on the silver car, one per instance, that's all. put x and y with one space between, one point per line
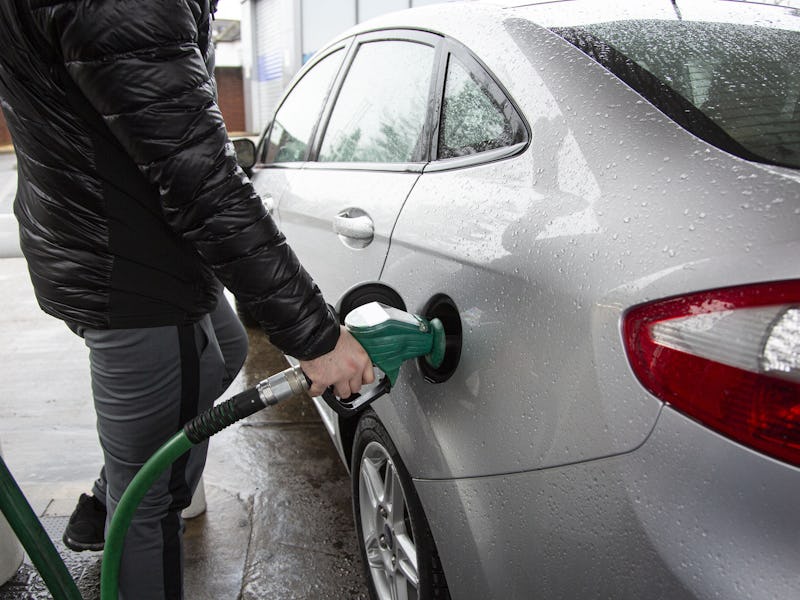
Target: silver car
601 201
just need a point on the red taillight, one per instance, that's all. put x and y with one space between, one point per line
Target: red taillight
728 358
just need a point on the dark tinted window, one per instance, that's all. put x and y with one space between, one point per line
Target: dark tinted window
476 115
294 122
736 86
381 109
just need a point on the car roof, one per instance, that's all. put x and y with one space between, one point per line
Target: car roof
464 15
555 13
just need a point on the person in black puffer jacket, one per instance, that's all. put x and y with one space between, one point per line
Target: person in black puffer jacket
131 210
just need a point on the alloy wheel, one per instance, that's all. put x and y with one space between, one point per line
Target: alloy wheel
386 527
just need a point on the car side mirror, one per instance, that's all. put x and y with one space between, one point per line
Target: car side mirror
245 153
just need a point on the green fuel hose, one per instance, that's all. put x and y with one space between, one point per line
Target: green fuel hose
268 392
34 538
177 445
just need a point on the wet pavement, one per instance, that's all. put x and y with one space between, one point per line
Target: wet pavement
278 524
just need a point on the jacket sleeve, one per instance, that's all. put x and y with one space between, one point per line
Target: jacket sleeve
139 63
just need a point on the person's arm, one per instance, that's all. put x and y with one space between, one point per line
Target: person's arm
139 64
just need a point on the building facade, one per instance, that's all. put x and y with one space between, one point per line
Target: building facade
279 36
228 73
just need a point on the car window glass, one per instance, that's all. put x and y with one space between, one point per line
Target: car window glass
476 116
381 109
735 86
294 122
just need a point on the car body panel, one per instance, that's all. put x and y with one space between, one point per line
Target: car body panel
309 206
557 243
270 184
665 521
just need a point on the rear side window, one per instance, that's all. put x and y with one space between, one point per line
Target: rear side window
295 120
735 86
476 115
381 109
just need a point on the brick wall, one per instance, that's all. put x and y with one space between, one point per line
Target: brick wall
231 97
231 101
5 136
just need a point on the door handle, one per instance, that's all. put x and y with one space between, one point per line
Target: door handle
358 227
355 228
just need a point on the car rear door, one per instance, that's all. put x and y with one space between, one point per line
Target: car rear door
287 143
339 209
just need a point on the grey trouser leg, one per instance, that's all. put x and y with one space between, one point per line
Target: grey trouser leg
232 340
147 383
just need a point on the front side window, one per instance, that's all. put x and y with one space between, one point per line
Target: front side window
294 122
476 115
380 113
736 86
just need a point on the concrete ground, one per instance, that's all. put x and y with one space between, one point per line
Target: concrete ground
279 522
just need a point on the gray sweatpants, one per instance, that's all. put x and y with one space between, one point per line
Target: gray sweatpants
146 384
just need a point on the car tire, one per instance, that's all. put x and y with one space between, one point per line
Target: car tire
393 532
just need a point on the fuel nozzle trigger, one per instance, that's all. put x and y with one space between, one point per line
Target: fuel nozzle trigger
347 407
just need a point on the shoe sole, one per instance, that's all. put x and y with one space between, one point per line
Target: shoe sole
81 546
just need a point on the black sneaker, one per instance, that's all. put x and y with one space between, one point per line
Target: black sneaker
86 527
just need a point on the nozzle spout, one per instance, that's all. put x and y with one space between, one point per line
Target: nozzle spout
438 344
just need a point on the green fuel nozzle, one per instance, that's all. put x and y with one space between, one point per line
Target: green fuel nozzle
391 336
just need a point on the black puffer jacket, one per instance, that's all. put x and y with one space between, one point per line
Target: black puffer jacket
130 201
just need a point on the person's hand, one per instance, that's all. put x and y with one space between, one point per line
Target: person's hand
347 367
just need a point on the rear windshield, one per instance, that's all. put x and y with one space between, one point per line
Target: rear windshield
735 86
